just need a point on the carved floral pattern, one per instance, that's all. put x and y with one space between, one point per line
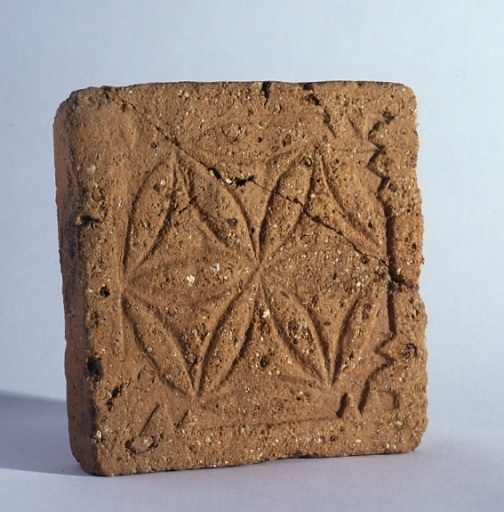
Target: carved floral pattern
220 215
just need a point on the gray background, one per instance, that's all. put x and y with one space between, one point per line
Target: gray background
451 53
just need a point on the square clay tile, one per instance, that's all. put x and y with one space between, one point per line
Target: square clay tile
240 270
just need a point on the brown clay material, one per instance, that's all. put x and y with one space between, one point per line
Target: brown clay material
240 273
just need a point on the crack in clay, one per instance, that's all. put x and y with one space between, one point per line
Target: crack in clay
317 220
315 100
394 276
188 205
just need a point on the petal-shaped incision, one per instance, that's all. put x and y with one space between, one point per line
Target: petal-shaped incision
229 338
169 285
286 202
363 329
150 214
218 208
356 212
159 344
342 348
300 334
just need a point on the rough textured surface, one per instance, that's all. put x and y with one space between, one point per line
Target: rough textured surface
240 270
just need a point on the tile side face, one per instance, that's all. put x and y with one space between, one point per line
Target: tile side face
240 267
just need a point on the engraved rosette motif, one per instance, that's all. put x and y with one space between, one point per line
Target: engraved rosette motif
268 267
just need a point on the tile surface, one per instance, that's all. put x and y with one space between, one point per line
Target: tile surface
240 269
